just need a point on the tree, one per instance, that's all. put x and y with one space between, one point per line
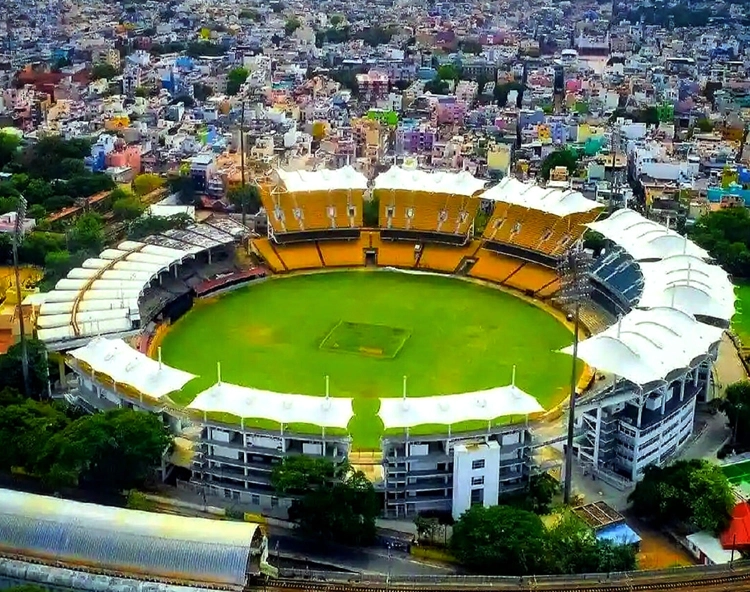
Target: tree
235 79
146 183
88 234
142 92
436 87
371 212
565 158
448 72
114 451
336 20
736 404
25 427
594 240
128 208
291 25
472 46
704 125
249 196
103 70
11 375
499 540
725 234
9 144
331 500
202 91
693 492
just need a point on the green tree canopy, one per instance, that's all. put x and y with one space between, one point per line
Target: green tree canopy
565 158
247 196
693 492
448 72
103 70
116 450
146 183
235 79
291 25
11 375
725 234
332 502
128 208
736 404
25 428
88 234
499 540
9 144
148 225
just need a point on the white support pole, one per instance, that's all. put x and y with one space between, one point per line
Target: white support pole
404 389
513 376
218 372
328 385
159 354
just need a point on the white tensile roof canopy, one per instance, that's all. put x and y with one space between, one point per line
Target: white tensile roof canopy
690 284
452 409
545 199
401 179
125 365
323 180
645 239
244 402
648 345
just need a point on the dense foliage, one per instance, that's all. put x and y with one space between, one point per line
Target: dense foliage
565 158
736 404
116 450
147 225
235 79
332 502
688 492
507 540
725 234
247 197
11 376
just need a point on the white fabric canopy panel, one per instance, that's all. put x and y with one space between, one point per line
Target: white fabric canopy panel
545 199
323 180
125 365
400 179
645 239
283 408
690 284
451 409
647 345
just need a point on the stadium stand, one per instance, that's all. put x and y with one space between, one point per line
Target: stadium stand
533 278
445 258
266 250
318 200
343 253
391 253
620 271
299 256
430 202
494 267
537 218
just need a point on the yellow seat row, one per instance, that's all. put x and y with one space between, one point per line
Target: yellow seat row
266 250
299 256
534 278
343 253
314 210
392 253
426 211
494 267
445 258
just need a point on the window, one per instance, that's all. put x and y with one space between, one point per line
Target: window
410 213
477 480
477 464
516 228
331 211
255 499
442 216
274 502
390 211
352 211
278 213
499 223
477 496
463 216
298 213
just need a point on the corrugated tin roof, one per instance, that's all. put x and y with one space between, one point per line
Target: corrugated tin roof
125 541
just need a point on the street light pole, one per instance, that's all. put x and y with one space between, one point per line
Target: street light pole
17 235
242 161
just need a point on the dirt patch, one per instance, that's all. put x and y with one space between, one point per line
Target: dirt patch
657 550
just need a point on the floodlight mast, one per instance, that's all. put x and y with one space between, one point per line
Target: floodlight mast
573 271
17 236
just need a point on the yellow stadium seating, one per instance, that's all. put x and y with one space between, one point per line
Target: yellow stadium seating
299 256
343 253
535 227
315 210
531 277
392 253
267 251
426 211
444 257
494 267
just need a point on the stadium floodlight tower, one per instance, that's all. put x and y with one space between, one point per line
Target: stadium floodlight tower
17 237
573 270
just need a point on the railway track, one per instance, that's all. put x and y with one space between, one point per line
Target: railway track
689 579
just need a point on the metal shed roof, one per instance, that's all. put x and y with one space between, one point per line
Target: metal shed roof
125 541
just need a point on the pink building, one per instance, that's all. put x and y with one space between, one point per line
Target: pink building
449 110
125 156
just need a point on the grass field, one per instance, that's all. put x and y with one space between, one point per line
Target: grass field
741 320
366 330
